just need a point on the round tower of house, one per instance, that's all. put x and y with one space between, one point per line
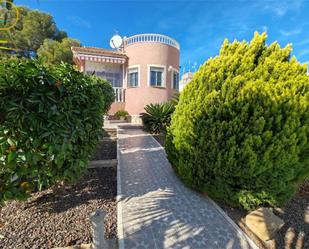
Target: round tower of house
152 74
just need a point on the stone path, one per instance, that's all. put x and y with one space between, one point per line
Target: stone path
157 211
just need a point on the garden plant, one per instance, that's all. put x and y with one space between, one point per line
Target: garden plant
121 114
240 130
157 117
50 123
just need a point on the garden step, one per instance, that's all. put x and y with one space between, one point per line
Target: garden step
103 163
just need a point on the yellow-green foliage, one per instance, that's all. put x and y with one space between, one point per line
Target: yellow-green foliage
240 130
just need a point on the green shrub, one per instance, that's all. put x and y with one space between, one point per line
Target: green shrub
50 122
121 114
157 117
240 129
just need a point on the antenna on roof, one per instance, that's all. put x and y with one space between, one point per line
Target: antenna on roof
116 42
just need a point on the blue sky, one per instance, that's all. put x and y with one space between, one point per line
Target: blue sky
200 26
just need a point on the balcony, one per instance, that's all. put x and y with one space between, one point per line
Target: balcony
151 38
119 94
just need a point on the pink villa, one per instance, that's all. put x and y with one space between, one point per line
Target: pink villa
144 70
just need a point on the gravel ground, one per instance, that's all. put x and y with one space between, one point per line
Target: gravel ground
106 150
47 220
295 232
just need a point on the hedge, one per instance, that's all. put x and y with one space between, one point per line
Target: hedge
240 129
50 122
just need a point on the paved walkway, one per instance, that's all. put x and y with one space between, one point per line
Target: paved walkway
157 211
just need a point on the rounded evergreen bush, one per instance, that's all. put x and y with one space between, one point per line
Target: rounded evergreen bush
240 129
50 122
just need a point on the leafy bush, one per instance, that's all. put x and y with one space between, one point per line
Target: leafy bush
121 113
240 129
157 117
50 122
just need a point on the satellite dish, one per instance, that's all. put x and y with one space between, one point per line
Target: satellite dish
115 42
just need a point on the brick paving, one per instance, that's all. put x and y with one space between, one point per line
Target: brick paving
157 211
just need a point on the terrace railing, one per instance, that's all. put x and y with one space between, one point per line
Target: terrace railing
151 38
119 94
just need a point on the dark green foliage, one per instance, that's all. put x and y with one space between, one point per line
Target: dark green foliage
240 129
54 52
121 113
157 117
32 29
50 122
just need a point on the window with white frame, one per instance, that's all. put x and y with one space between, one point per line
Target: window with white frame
156 76
133 77
175 80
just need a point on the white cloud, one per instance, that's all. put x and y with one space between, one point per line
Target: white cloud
290 32
78 21
265 28
301 43
280 8
303 52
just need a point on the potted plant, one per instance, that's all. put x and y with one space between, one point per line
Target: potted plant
121 114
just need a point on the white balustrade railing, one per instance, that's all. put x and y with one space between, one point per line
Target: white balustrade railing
151 38
119 94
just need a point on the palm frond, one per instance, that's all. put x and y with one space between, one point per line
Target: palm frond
157 117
